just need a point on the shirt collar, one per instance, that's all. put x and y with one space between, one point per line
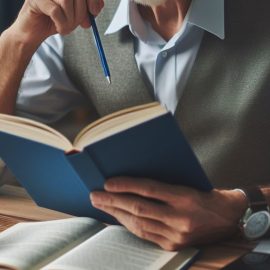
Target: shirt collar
205 14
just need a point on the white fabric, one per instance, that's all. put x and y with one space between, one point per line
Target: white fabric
166 66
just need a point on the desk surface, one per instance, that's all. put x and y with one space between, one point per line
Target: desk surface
17 206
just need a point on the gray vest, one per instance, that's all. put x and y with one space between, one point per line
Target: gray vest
225 109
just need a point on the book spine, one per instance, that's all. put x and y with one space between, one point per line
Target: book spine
92 178
87 170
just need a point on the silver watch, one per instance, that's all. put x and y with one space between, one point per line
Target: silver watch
255 223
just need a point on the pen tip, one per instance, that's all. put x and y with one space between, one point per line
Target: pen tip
109 79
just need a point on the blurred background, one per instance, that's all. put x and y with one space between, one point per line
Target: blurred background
8 12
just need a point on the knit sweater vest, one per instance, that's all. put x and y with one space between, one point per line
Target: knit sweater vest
224 111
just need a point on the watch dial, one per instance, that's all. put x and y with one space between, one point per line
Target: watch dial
257 225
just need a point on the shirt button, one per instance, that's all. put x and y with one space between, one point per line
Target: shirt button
164 54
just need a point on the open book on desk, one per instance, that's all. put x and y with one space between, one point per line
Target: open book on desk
83 244
143 141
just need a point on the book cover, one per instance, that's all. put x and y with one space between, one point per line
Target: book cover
62 181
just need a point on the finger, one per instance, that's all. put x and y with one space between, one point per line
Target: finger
180 220
135 205
81 13
54 12
68 9
141 186
144 228
95 6
164 243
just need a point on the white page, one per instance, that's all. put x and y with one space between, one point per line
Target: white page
33 245
113 248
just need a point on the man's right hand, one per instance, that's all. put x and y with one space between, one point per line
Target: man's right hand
39 19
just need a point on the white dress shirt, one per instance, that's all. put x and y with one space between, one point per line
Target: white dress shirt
46 93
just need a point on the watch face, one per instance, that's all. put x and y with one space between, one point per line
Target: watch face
257 225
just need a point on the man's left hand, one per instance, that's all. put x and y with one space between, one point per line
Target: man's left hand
169 215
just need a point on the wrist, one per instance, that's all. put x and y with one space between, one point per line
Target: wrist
13 38
236 203
241 201
255 224
15 55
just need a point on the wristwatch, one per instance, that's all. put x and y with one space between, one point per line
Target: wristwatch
255 223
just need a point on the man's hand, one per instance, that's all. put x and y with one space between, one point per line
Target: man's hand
38 19
168 215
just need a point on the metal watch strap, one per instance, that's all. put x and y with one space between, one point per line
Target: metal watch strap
256 199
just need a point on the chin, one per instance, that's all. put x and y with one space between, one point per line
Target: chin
151 3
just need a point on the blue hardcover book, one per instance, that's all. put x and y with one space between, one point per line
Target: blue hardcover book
143 141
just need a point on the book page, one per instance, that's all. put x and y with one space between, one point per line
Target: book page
117 122
113 248
33 132
102 128
35 244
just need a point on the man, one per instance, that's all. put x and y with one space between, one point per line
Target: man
216 88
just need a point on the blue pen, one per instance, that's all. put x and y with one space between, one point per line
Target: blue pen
100 49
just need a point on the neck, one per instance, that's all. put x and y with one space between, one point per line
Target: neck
167 18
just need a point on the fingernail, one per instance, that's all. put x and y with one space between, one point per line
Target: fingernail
98 197
106 186
94 197
109 185
97 205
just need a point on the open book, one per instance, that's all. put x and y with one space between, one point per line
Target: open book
83 244
143 141
100 129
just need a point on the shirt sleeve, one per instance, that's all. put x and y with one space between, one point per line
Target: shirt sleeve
46 93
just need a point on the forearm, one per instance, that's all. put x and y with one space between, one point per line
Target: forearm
36 21
15 55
